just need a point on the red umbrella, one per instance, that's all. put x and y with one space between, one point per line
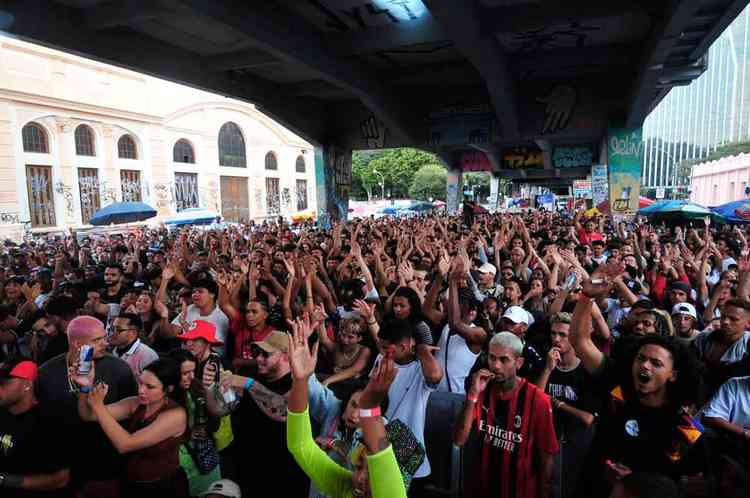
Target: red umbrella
642 203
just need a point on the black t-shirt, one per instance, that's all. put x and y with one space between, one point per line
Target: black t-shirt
97 458
262 441
576 388
30 444
114 298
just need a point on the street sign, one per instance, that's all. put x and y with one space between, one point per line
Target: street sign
660 192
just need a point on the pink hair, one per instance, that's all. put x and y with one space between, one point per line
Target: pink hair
82 328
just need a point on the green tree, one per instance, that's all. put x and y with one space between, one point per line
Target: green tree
397 167
429 182
480 183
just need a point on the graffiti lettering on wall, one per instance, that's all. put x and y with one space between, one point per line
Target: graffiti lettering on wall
339 170
572 35
459 125
475 160
163 194
10 218
67 192
367 14
560 104
523 157
572 157
374 133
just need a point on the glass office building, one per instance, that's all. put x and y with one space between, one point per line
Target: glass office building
691 121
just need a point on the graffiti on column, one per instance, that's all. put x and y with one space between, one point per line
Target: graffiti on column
374 133
258 199
67 192
163 194
452 198
286 198
560 104
338 182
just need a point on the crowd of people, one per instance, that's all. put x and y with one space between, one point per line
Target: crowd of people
590 358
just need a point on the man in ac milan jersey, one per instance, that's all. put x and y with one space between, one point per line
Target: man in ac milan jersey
513 420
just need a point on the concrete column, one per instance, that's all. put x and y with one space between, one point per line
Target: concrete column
494 191
454 195
67 173
333 179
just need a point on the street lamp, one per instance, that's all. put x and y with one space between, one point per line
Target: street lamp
382 182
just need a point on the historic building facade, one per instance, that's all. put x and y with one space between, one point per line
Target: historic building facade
76 135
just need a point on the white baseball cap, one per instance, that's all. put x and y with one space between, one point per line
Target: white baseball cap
516 314
684 309
487 268
223 487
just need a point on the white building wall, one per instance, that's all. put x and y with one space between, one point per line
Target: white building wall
59 91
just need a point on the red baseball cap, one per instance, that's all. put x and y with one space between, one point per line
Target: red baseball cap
201 329
19 368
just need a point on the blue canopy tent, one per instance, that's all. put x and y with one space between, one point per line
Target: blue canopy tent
193 216
679 210
122 212
735 211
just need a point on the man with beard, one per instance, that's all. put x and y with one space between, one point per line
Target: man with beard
647 428
95 471
44 340
34 458
113 289
513 419
259 418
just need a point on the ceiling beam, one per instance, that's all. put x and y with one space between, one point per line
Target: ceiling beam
461 20
664 36
62 28
518 18
242 59
387 37
729 13
124 13
291 38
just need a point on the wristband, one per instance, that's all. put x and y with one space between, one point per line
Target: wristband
249 383
472 399
369 413
85 389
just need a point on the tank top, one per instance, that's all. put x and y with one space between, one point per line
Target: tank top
155 462
456 359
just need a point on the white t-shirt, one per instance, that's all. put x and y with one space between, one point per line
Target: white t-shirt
407 401
731 402
217 317
458 362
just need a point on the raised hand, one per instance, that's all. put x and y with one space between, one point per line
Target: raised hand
364 308
302 360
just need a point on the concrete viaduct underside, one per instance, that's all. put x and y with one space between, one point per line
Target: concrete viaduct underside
523 88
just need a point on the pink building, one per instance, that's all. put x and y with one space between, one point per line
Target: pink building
717 182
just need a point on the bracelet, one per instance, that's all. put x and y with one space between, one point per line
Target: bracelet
249 383
472 399
85 389
369 413
371 322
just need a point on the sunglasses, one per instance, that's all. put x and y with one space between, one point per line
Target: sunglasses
256 351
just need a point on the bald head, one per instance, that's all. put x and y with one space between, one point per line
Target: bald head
83 329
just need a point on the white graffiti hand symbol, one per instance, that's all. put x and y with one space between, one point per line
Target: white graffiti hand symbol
373 133
560 103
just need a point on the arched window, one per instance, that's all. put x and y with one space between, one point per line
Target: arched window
84 141
126 148
183 152
34 139
299 166
231 146
271 161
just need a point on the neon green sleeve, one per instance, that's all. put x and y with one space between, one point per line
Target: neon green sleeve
385 476
328 476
